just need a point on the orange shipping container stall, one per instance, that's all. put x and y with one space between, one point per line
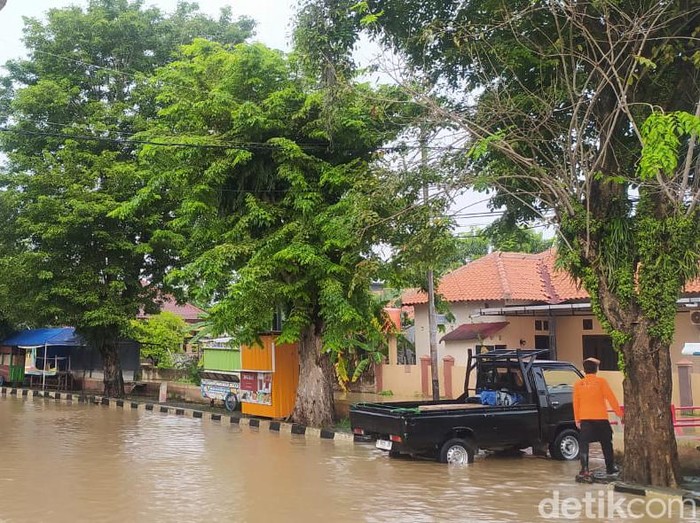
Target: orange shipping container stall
269 378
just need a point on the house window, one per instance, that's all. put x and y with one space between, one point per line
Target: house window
486 348
588 325
405 352
600 347
541 325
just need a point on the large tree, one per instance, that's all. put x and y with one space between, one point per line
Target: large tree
67 112
589 109
274 203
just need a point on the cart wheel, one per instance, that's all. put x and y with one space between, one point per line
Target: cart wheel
231 402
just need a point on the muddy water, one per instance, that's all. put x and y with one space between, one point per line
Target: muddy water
68 463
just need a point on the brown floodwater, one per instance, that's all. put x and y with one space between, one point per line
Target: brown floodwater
74 462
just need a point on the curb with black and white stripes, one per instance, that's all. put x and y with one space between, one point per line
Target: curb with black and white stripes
639 490
257 423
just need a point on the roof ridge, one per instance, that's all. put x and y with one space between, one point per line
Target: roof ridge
503 277
546 279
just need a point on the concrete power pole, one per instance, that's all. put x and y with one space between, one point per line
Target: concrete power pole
432 316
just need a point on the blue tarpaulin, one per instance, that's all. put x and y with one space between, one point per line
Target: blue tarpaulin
64 337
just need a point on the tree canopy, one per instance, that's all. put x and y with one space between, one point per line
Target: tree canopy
161 336
68 114
274 206
589 109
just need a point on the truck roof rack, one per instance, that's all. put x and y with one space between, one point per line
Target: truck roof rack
524 357
505 354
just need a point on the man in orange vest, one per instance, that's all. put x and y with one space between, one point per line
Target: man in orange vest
592 395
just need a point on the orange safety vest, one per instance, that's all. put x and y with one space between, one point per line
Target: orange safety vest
590 397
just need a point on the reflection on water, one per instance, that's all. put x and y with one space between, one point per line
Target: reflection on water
67 463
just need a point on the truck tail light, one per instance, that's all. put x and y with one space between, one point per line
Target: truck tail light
396 439
358 431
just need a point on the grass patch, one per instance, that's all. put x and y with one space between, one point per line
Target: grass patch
342 425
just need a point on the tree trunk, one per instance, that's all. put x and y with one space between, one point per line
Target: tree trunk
651 454
314 401
113 379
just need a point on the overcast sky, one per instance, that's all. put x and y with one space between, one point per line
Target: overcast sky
273 17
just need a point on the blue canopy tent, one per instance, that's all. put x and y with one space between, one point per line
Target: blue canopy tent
64 344
37 338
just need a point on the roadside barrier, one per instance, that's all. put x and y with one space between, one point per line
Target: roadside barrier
253 423
681 421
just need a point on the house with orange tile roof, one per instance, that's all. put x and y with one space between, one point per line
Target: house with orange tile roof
516 300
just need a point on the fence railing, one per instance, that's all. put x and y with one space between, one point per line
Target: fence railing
679 415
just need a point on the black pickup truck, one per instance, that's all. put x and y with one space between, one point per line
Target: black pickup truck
519 401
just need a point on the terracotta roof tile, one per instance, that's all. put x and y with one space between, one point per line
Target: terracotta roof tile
505 276
513 276
186 311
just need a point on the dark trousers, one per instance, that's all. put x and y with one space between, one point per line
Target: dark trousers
597 430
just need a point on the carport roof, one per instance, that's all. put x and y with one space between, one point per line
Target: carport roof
473 331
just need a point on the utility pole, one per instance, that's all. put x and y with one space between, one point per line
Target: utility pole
432 316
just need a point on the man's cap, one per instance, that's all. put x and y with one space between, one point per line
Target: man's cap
593 360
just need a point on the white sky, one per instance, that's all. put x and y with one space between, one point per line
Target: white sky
273 16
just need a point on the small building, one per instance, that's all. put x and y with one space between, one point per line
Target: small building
60 358
510 300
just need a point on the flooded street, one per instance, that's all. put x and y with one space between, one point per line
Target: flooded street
68 463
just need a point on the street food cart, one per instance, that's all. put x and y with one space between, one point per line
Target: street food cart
221 375
269 377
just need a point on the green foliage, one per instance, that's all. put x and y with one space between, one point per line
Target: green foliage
286 220
160 336
662 134
68 258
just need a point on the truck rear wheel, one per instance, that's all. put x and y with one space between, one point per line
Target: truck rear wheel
565 446
458 451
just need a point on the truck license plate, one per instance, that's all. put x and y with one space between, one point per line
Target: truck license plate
384 444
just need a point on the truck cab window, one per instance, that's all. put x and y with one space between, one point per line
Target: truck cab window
560 380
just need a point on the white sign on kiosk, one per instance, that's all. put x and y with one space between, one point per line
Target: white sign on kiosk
691 349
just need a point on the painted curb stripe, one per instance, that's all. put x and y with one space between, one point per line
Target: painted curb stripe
629 489
270 425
